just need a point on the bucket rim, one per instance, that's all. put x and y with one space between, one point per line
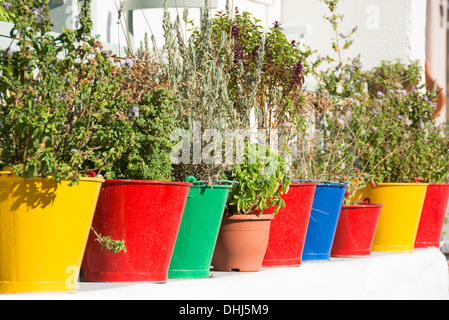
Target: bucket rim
362 206
211 186
249 217
439 184
401 184
323 182
147 182
298 184
215 183
10 174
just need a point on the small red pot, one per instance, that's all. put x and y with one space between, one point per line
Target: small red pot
432 216
147 215
356 230
289 228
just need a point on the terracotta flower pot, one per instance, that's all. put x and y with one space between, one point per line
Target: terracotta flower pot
242 243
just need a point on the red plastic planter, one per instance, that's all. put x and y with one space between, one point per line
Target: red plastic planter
289 228
432 216
356 230
147 215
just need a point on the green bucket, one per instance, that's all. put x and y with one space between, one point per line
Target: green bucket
199 229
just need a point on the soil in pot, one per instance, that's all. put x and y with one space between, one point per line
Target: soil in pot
242 243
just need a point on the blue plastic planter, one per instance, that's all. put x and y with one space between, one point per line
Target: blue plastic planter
323 221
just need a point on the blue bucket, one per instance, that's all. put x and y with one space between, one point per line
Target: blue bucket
323 221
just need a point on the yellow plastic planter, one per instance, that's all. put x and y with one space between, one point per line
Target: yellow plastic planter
399 220
44 227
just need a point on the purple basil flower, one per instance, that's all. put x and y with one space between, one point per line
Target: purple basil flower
297 72
421 125
400 118
6 5
134 112
380 94
129 62
235 31
238 53
8 52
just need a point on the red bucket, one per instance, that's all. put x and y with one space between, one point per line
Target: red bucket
432 216
147 215
356 230
289 228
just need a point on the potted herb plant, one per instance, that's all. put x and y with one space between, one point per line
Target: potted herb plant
344 85
341 91
60 119
195 73
267 75
245 229
139 202
394 142
427 141
434 172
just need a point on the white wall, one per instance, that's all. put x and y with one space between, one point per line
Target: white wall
388 29
150 20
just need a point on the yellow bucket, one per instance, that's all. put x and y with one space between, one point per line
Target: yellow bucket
399 220
44 227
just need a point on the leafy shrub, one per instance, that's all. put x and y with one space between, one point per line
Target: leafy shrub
152 109
61 110
267 72
262 182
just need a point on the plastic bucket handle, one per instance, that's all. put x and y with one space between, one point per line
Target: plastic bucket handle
196 182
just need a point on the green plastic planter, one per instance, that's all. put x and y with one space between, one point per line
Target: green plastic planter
199 229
